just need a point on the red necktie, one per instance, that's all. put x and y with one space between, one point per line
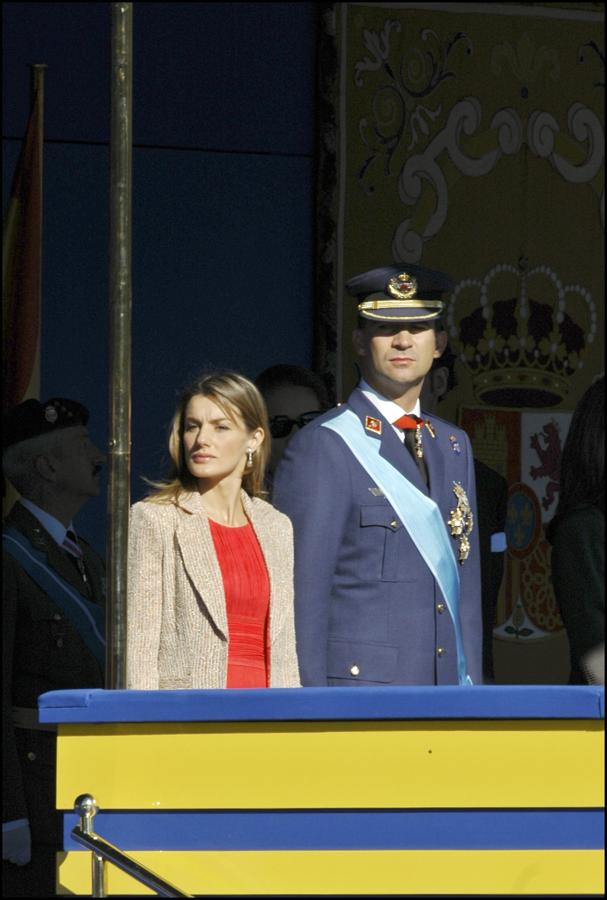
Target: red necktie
407 422
412 426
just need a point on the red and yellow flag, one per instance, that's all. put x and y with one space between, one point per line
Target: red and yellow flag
22 267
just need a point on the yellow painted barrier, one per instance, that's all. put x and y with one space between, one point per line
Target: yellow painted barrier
351 873
406 791
311 764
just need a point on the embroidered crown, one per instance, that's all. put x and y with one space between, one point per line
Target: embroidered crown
523 336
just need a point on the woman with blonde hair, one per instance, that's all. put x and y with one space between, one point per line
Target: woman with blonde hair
210 565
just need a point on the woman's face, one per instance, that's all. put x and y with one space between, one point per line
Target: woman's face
215 446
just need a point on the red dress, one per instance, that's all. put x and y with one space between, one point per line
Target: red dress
247 590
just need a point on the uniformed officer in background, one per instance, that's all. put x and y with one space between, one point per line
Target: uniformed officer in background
383 504
492 507
53 622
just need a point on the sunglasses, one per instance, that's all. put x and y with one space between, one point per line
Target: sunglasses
282 426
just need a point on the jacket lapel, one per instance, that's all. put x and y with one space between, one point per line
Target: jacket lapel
435 459
274 563
200 560
96 577
39 537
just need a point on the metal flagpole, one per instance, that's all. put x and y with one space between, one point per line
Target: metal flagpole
37 73
119 445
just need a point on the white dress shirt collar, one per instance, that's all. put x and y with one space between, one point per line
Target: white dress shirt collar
55 528
388 408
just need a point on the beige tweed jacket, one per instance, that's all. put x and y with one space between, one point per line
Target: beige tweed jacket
177 630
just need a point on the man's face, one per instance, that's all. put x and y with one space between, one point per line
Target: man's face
395 356
77 463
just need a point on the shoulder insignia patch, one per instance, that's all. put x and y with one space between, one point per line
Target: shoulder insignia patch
455 444
373 424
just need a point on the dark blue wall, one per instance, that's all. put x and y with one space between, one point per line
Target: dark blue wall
223 198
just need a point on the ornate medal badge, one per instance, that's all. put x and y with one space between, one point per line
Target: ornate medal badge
402 286
461 521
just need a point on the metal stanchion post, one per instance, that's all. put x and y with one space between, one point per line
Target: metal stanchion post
86 807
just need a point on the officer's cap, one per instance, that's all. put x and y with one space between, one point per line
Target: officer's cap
32 418
402 293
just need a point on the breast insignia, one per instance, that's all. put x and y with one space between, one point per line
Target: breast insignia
373 424
461 521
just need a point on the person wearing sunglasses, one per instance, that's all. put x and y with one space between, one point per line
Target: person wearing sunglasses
382 499
294 397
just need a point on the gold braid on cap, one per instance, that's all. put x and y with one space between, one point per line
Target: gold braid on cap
403 287
418 303
436 306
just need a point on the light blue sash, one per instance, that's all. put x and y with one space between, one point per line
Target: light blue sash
88 618
419 514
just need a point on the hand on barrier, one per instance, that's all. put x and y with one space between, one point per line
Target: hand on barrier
17 844
593 664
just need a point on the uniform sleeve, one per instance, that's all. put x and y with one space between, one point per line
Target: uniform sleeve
578 575
13 798
312 486
470 583
144 603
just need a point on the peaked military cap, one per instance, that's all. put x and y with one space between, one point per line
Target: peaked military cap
32 418
400 293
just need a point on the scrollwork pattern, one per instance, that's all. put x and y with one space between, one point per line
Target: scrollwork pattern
525 61
398 122
599 53
584 127
379 46
464 119
396 109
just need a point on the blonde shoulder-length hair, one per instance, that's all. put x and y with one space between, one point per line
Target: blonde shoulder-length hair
234 394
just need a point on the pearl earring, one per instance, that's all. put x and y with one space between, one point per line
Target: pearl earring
250 457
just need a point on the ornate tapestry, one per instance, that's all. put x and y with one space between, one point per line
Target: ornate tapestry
470 138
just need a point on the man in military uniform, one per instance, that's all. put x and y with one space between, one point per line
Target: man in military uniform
383 505
53 588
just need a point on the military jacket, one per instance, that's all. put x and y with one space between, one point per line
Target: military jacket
42 651
368 610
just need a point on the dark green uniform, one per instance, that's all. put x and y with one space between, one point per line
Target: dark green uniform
578 576
42 652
